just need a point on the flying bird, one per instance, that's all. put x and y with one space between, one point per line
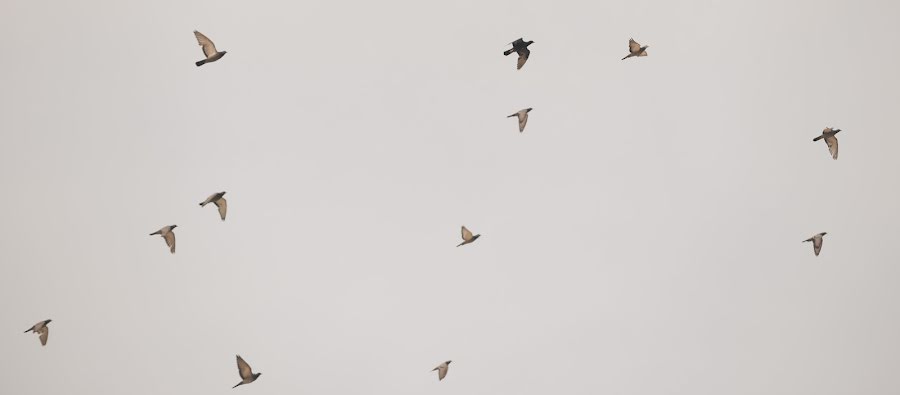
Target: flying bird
523 117
828 135
520 47
635 49
42 329
247 375
817 242
209 49
167 232
219 201
442 370
467 238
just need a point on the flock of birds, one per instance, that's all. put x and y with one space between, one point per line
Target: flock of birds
520 47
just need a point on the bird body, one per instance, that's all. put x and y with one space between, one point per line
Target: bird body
817 242
442 370
520 47
247 375
167 233
209 49
220 202
467 237
522 115
635 49
830 140
42 329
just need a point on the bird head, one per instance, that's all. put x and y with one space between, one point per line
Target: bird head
448 362
224 52
528 109
223 192
824 233
174 226
529 42
47 322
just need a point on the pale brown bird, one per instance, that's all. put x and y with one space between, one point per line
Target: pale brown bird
520 47
467 237
522 115
442 370
817 242
209 49
219 201
247 375
830 140
167 233
635 49
42 329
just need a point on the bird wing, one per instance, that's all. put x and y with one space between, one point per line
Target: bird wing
523 119
209 199
45 332
817 244
523 57
517 41
209 49
832 145
222 204
442 372
170 240
243 368
633 46
466 235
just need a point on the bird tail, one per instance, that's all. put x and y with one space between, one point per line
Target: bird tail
155 233
629 55
510 116
457 246
28 330
200 63
203 204
508 51
236 385
818 138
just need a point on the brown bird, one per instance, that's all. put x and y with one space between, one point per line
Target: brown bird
167 233
219 201
42 329
247 375
635 49
817 242
467 237
828 135
209 49
520 47
442 370
523 117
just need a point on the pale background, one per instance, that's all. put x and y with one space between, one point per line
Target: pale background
643 236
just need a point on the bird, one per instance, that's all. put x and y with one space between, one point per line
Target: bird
817 242
167 232
247 375
828 135
209 49
219 201
635 49
520 47
467 237
42 329
442 370
523 117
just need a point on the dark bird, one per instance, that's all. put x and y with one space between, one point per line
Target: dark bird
167 233
828 135
42 329
520 47
247 375
219 201
442 370
209 49
467 237
523 117
635 49
817 242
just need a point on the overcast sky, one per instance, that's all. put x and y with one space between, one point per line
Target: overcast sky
642 236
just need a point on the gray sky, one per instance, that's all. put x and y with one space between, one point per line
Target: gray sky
642 236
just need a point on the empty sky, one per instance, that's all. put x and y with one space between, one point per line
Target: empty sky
642 236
